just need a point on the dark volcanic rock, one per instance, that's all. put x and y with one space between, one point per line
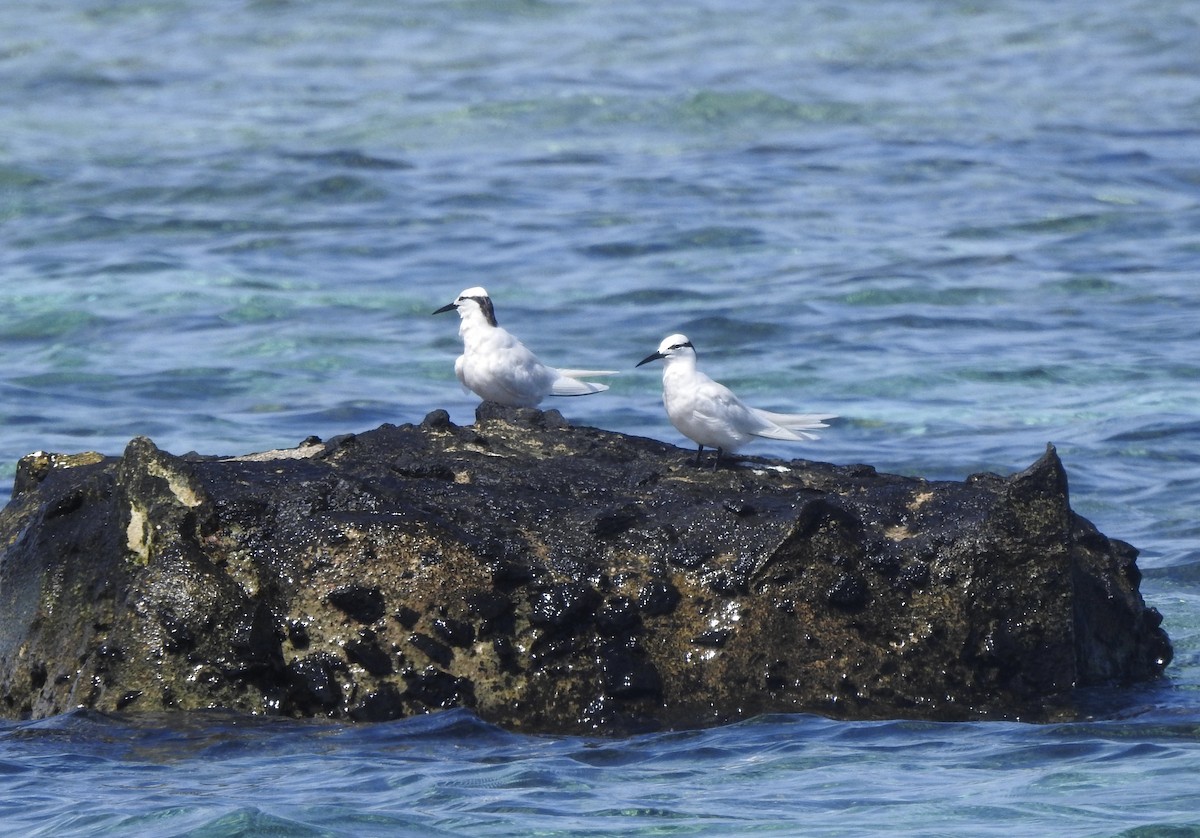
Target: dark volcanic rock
553 578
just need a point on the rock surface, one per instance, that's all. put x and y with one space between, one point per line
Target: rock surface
554 579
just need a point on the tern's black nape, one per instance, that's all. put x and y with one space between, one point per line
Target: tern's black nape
482 300
489 311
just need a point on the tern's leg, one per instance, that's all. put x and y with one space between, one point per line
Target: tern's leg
699 451
717 459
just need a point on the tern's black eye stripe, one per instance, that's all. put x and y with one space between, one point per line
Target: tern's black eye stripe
681 345
489 311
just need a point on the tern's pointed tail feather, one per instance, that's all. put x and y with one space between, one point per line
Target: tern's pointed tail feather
568 382
790 426
566 386
795 421
769 431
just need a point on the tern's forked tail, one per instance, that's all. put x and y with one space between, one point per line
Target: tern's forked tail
568 383
795 421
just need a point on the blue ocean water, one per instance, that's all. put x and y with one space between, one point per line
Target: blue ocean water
969 229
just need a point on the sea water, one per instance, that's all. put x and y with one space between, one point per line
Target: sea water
968 229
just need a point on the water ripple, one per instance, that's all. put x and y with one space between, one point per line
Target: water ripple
968 230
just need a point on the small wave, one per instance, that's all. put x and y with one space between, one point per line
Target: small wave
721 238
350 159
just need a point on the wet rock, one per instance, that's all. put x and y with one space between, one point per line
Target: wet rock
658 597
914 576
455 632
365 652
615 522
715 638
488 605
848 591
435 650
362 603
562 605
617 615
436 689
298 635
629 676
382 705
314 687
554 579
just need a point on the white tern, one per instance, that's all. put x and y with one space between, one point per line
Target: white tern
497 367
710 414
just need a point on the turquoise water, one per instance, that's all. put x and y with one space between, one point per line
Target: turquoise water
969 229
452 775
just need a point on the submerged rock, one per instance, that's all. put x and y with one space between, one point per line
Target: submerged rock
554 578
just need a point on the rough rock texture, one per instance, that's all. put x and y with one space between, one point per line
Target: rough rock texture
553 579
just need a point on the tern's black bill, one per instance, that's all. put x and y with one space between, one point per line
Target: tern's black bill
657 356
446 307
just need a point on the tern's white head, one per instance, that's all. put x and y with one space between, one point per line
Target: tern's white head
472 303
673 348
